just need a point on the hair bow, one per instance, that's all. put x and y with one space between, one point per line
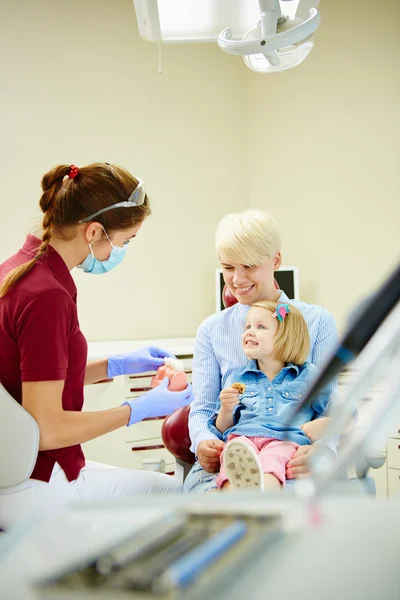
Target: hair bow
281 311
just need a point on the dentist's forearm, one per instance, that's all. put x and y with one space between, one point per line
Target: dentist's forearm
96 370
73 427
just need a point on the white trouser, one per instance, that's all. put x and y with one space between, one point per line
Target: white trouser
96 481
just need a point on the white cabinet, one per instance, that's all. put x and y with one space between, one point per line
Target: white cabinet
393 456
393 463
387 477
111 448
393 482
128 446
366 407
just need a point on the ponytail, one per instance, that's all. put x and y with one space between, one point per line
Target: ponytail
51 185
15 275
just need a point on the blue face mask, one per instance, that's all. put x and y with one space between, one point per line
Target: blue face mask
92 265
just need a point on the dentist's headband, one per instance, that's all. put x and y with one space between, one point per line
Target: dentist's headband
137 197
281 311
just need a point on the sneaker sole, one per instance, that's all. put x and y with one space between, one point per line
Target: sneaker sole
243 467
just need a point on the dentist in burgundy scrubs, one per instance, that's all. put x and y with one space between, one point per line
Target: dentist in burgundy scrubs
90 215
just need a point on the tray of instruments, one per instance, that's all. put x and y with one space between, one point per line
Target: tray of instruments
181 555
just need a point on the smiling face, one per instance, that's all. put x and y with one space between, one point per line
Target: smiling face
251 283
259 332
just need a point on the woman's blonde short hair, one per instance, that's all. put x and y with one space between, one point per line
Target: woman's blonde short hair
291 339
248 238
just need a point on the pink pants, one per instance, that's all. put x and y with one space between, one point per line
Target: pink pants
273 454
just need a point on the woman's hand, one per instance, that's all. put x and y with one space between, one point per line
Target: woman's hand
137 361
298 467
208 454
158 402
229 399
315 429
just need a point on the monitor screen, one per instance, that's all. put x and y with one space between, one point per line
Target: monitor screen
287 278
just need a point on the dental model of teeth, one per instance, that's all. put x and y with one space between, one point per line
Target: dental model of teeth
173 369
174 363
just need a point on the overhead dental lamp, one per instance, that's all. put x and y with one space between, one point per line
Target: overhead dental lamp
270 35
276 43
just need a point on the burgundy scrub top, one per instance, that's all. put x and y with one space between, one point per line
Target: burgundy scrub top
40 340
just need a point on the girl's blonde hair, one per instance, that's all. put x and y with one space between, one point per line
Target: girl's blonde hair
248 238
291 339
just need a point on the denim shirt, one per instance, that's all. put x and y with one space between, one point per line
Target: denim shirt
265 407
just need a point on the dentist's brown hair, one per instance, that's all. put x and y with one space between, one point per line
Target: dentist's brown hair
71 194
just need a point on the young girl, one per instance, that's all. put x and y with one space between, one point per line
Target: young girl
259 399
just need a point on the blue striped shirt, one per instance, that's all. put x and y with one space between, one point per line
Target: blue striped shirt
218 352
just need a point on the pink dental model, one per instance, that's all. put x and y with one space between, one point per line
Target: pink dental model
173 369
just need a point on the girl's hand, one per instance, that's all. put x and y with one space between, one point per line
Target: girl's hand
229 399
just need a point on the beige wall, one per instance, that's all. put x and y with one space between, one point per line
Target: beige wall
323 147
80 86
317 146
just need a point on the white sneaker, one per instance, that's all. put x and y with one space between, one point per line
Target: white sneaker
243 467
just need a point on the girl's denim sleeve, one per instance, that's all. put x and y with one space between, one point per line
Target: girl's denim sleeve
211 426
321 403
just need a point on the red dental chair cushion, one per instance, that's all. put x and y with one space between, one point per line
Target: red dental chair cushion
175 435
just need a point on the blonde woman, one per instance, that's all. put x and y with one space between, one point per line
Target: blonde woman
248 245
256 405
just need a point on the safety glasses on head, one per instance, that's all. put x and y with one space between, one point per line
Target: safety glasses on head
135 199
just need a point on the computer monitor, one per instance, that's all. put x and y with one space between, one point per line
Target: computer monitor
287 278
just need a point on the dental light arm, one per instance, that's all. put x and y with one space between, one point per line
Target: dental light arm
374 342
262 45
270 40
380 357
371 316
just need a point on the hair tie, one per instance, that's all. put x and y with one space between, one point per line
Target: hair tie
281 311
73 171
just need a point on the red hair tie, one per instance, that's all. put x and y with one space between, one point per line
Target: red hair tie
73 172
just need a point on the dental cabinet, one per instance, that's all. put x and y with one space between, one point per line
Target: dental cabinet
393 463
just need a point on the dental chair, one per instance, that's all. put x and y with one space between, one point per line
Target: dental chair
19 446
176 439
175 436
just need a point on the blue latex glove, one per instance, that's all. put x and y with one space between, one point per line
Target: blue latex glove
158 402
137 361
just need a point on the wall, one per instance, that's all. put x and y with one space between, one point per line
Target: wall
317 146
79 85
323 146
